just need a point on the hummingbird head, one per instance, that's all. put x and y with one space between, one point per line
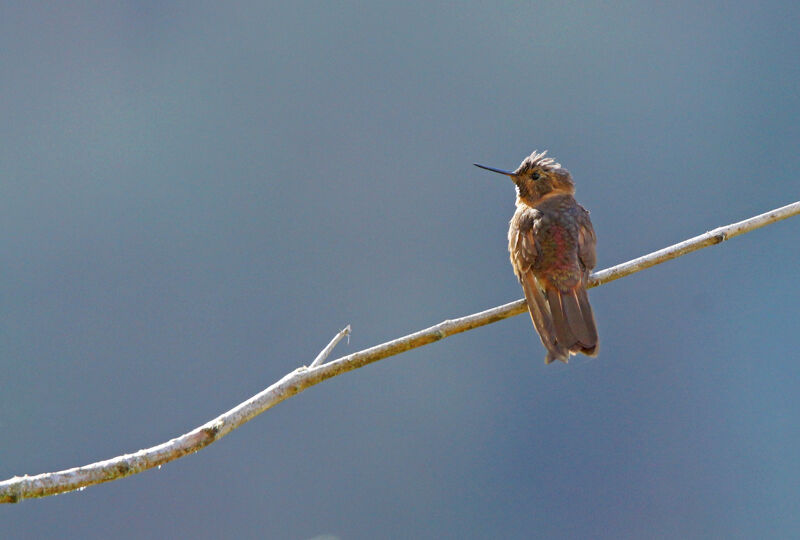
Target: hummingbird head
537 177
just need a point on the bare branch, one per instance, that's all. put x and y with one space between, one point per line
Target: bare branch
710 238
18 488
327 350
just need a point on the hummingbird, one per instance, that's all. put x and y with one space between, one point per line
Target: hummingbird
551 243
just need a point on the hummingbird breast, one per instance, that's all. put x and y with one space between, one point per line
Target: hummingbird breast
553 227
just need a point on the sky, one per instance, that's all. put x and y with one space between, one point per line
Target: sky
196 196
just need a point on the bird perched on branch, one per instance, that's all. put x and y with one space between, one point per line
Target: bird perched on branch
551 243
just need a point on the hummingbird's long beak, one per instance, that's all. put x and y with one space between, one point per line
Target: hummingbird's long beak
507 173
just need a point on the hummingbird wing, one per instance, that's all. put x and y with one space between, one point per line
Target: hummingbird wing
586 241
523 250
586 254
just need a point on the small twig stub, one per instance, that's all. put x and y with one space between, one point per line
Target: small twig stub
324 353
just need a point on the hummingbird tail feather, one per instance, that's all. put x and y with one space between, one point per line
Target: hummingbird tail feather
573 320
542 319
561 319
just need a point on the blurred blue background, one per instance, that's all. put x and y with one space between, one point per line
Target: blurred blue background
196 196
